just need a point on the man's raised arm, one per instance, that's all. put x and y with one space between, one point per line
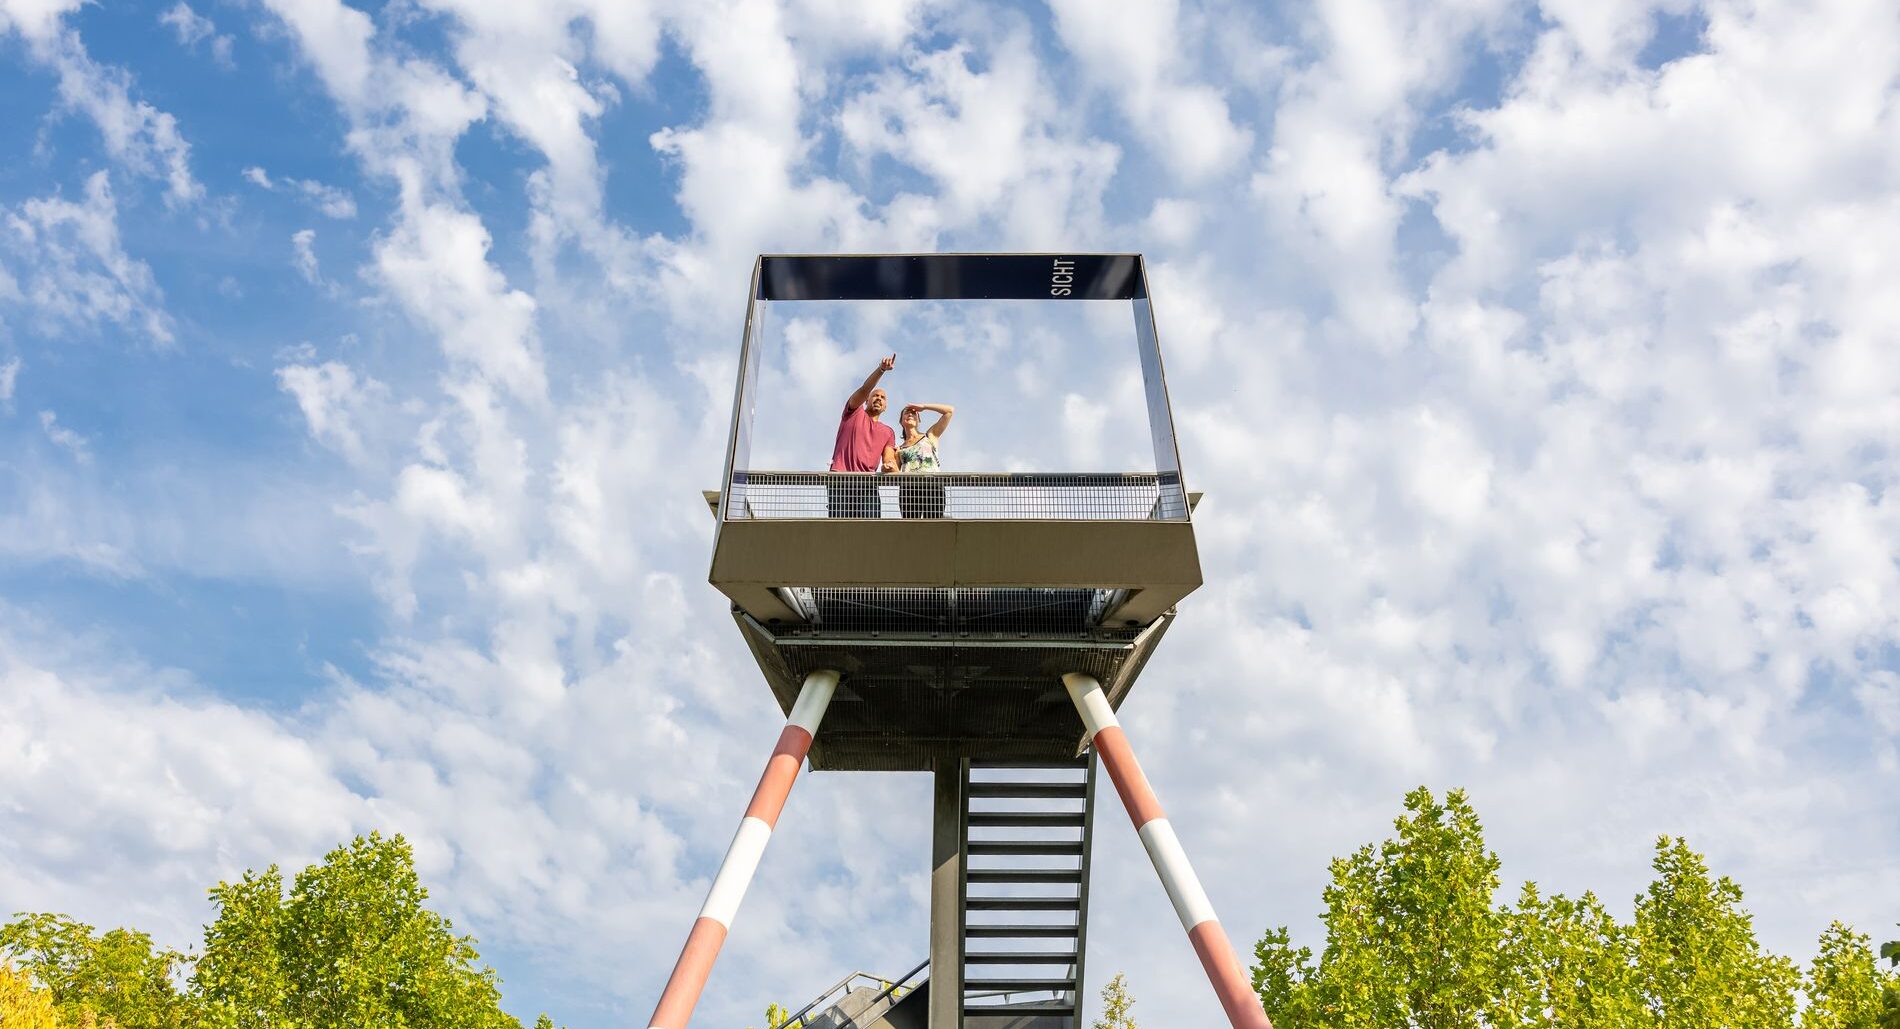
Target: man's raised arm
856 400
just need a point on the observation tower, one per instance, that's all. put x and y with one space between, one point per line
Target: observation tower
989 641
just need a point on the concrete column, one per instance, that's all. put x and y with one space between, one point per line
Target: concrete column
946 897
742 857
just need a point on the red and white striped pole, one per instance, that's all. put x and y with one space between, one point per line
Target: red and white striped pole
742 857
1231 983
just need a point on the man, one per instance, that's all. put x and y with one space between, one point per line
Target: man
860 446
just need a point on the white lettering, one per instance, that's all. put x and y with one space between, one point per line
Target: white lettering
1062 278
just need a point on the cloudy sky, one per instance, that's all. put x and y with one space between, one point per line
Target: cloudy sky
360 365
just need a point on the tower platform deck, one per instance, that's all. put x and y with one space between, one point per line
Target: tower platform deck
1126 533
952 632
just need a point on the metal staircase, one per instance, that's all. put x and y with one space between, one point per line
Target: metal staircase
1026 833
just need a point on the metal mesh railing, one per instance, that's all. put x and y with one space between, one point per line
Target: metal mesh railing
1037 496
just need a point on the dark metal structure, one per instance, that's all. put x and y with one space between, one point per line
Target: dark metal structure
951 631
986 636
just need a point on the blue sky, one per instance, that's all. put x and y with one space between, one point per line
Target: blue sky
359 368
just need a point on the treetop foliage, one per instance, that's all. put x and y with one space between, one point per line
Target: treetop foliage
1117 1005
1416 939
348 944
22 1005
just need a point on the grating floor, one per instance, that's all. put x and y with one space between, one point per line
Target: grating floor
957 610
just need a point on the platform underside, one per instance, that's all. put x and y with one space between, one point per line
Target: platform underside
931 674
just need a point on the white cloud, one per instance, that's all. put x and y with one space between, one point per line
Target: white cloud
522 58
198 788
1140 52
190 26
1340 130
823 27
36 19
74 272
436 264
336 404
138 135
64 438
1175 221
304 255
9 378
331 201
193 28
991 140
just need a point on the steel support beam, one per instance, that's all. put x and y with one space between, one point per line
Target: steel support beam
1224 971
946 895
742 857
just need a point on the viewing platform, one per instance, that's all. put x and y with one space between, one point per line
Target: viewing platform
952 602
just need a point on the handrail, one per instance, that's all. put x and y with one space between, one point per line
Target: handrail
889 989
797 1021
984 478
1032 496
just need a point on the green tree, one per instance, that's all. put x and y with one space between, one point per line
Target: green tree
1565 963
23 1005
350 945
1697 963
1843 985
776 1016
1412 938
1282 976
117 975
1117 1005
1416 940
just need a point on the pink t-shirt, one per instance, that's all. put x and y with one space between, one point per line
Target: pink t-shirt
861 442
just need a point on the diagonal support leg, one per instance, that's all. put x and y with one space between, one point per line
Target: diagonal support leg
1223 968
742 857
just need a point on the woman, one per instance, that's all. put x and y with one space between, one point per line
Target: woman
916 451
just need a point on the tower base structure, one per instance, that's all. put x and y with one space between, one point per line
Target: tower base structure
951 874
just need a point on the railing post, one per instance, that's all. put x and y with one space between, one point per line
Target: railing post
1223 967
696 959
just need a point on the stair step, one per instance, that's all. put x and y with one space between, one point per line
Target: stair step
1024 875
1024 847
1021 819
1051 1007
1018 957
1039 762
992 932
1020 985
1021 903
1029 790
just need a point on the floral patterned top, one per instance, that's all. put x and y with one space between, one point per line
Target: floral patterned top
920 456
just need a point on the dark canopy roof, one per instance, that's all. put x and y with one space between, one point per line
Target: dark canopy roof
951 277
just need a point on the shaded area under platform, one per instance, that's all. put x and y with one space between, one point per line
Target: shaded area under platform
931 674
